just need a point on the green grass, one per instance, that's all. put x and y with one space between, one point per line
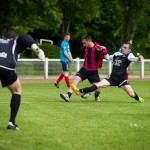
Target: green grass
118 122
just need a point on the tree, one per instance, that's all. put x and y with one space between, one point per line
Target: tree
132 11
77 9
30 14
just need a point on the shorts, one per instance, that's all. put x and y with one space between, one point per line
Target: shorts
92 76
7 77
65 66
117 81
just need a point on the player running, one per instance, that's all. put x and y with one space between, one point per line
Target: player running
94 53
117 78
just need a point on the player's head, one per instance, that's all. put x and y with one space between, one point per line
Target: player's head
86 41
126 48
9 33
67 36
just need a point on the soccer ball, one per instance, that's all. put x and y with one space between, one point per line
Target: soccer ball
85 95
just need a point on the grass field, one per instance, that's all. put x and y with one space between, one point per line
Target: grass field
118 122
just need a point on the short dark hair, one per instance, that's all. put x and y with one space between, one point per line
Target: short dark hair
9 33
86 37
67 33
130 45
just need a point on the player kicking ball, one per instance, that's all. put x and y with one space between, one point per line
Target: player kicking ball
117 78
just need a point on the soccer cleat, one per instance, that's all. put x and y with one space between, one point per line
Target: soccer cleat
56 85
12 126
141 100
74 89
65 97
97 99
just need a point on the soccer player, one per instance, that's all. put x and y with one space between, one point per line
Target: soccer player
10 47
117 77
93 61
120 50
65 58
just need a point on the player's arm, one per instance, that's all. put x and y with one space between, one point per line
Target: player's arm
131 57
24 41
39 52
66 54
109 57
100 48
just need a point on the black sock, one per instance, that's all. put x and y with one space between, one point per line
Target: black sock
88 89
136 96
69 94
96 95
14 106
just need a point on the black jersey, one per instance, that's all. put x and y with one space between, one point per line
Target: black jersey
120 63
10 48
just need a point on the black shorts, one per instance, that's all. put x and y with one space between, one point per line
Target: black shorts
92 76
65 66
7 77
117 81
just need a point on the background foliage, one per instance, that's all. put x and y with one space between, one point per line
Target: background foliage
109 22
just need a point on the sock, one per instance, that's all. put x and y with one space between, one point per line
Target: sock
60 78
126 75
67 81
69 94
88 89
14 107
136 96
96 95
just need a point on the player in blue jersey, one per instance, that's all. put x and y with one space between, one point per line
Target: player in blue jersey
10 47
65 58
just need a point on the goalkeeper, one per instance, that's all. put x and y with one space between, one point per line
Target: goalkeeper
117 78
10 47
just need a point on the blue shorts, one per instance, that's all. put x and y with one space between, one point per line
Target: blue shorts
65 66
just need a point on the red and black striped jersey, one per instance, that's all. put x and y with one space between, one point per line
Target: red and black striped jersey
93 58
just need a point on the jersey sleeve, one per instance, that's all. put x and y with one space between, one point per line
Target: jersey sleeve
104 51
131 57
24 41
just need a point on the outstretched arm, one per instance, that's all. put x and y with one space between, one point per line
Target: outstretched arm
24 41
131 57
38 51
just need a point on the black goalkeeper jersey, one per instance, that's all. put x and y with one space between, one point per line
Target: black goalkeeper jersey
10 48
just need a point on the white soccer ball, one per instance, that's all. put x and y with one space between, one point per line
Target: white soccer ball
85 95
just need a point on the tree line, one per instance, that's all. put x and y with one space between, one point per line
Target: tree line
109 22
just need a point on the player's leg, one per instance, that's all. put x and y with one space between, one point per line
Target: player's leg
103 83
66 73
93 77
77 78
9 79
56 83
67 96
16 90
62 75
128 89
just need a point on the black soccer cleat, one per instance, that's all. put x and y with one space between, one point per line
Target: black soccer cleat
65 97
56 85
12 126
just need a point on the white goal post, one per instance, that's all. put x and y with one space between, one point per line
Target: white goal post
46 40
